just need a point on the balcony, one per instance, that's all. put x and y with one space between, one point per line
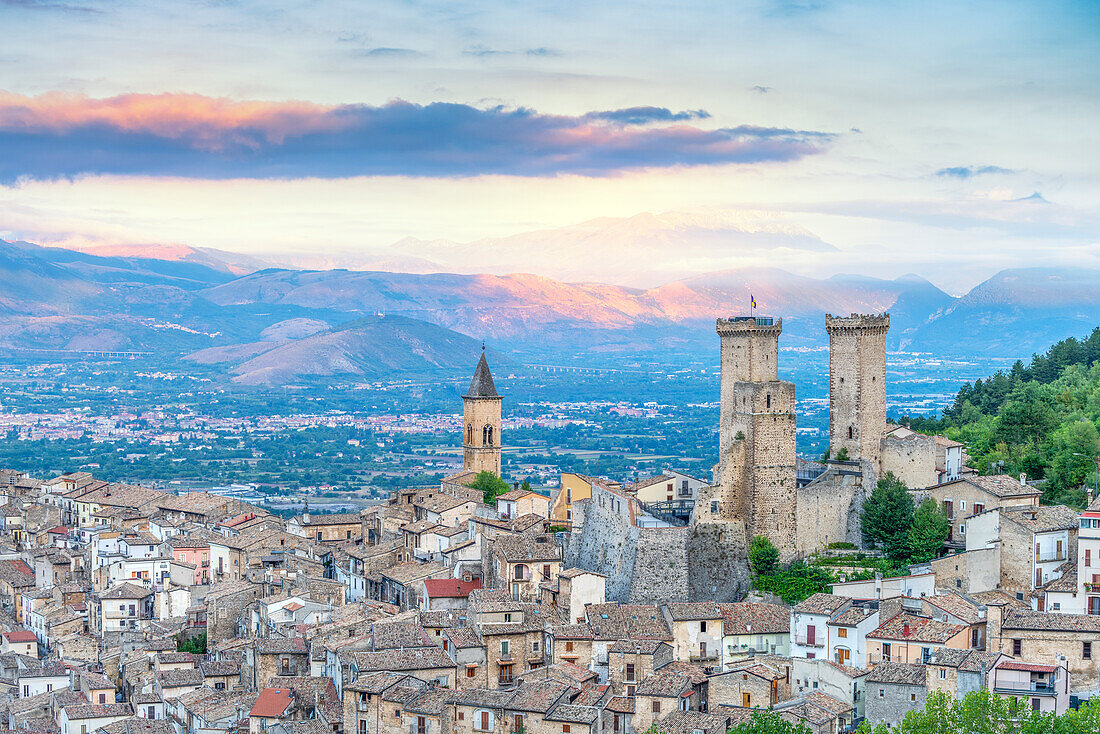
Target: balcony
807 642
505 680
707 658
1035 689
1094 588
1049 557
505 657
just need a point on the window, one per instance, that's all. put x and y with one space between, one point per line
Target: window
546 570
746 699
850 432
485 720
219 686
565 729
1086 650
102 696
461 715
26 691
1017 647
1088 556
153 713
882 693
83 729
535 646
49 687
842 632
655 707
630 671
505 648
471 670
362 727
979 508
962 529
569 646
630 691
912 697
943 674
517 720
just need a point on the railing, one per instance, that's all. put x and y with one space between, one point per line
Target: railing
1037 688
505 680
807 642
710 657
1092 587
505 657
1046 557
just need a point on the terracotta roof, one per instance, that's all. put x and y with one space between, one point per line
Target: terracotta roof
915 628
339 518
822 603
1028 667
1031 620
20 636
852 616
98 711
755 618
1000 485
614 621
621 705
1043 519
450 588
272 703
900 673
691 611
956 606
636 647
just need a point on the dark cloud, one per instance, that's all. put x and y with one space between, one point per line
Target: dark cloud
49 5
59 136
646 115
965 172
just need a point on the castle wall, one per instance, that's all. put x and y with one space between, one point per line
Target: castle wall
857 384
829 507
911 459
478 454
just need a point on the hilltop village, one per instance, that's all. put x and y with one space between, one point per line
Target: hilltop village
600 607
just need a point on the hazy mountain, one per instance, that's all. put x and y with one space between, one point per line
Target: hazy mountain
232 263
369 347
642 250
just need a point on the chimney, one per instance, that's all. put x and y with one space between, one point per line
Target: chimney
905 630
1023 479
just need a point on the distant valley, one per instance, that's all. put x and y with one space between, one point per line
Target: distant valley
275 326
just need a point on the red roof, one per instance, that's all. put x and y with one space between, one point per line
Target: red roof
60 530
1028 667
272 703
20 636
450 588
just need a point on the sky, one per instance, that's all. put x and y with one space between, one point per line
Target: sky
947 139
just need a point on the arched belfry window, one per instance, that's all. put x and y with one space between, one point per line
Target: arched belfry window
489 433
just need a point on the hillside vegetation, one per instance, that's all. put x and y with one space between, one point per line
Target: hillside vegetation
1041 419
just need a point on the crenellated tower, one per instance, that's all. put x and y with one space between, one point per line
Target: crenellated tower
857 385
481 420
756 438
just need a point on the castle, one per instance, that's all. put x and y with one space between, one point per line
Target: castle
755 480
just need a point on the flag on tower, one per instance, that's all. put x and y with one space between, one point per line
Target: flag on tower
752 300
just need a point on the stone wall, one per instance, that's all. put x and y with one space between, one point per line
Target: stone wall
895 701
911 459
477 454
829 507
857 384
605 542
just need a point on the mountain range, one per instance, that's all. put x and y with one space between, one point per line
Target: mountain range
276 325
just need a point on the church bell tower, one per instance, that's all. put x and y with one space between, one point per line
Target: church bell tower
481 421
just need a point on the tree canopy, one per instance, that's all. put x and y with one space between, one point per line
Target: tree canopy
491 486
763 556
887 517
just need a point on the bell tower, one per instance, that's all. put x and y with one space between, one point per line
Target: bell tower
481 422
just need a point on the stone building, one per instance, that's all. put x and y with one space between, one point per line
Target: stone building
893 689
1048 637
481 418
756 434
857 384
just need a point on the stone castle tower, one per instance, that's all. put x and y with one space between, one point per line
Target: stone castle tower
481 418
857 385
756 435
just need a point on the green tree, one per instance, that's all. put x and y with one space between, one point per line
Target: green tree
765 721
195 644
887 515
1073 448
491 486
928 532
763 556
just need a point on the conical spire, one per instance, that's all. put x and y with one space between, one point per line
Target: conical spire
482 385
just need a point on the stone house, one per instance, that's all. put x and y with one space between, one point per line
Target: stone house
913 638
221 675
20 641
749 628
697 632
819 712
569 643
423 710
363 703
573 590
910 456
171 684
957 609
470 656
443 509
399 582
276 656
335 528
676 686
972 495
573 488
225 607
429 664
520 563
848 635
273 705
445 594
613 622
893 689
1033 542
809 635
747 685
959 672
84 718
124 607
211 711
1048 637
522 502
632 661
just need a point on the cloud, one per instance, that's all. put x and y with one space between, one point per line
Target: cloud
965 172
63 136
760 88
389 51
646 115
45 5
543 51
